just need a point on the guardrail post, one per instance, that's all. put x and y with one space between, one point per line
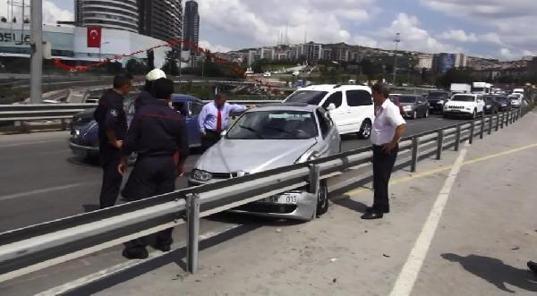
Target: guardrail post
439 144
314 179
472 129
193 228
508 119
482 132
458 138
64 125
503 120
490 124
415 145
497 122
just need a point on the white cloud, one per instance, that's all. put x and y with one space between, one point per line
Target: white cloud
258 23
459 36
51 12
204 44
413 36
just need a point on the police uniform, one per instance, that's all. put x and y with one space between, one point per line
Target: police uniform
157 134
110 115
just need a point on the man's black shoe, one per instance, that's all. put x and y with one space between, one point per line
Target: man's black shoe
372 215
532 266
163 247
135 253
371 209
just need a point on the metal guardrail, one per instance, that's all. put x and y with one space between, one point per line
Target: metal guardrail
20 114
36 247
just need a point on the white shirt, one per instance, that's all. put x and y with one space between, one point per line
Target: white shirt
208 117
387 119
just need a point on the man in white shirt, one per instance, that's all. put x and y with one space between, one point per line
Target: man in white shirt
214 118
388 128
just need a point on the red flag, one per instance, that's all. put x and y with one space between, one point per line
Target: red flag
94 36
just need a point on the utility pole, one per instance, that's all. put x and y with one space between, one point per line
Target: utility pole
36 70
396 40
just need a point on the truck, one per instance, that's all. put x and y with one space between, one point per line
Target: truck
460 88
482 88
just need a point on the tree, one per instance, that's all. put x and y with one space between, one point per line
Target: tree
136 67
170 66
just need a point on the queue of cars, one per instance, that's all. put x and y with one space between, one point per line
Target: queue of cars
306 126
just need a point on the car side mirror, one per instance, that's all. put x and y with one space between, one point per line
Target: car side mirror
331 107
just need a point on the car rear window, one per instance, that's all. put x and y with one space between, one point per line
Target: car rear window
310 97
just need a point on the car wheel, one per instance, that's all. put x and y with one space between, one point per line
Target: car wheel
365 129
322 199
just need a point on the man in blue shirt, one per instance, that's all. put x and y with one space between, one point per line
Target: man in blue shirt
215 118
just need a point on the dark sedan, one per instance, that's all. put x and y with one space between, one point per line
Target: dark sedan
437 99
492 106
413 106
84 141
504 103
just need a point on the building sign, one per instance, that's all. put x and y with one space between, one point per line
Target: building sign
9 38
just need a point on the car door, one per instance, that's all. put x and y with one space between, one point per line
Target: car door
361 108
331 142
194 135
339 114
422 105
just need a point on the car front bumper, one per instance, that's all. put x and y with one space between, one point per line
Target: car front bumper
83 150
458 112
294 205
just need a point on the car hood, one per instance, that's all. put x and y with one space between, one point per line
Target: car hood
460 103
252 156
407 104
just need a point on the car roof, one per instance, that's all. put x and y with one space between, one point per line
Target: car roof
332 87
285 107
184 98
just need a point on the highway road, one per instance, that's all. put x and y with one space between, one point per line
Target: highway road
42 180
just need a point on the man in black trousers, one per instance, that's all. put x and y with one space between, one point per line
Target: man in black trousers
112 121
388 128
158 135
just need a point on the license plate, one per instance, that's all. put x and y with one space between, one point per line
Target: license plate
282 199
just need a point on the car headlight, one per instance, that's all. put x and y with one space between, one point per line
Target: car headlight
308 156
488 106
407 108
202 176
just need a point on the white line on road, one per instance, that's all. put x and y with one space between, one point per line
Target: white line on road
41 191
407 278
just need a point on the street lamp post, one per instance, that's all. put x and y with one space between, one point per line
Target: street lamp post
36 71
396 40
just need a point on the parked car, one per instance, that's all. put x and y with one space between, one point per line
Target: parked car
504 103
266 138
413 106
84 141
350 106
516 99
468 105
492 106
395 99
437 99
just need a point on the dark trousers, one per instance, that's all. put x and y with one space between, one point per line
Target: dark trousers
151 176
111 181
382 170
210 138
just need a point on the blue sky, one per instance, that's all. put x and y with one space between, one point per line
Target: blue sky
491 28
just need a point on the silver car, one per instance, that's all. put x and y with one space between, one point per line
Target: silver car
269 137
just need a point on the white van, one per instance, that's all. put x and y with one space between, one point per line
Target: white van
350 106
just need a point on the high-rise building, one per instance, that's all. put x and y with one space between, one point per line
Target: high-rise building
112 14
161 19
191 25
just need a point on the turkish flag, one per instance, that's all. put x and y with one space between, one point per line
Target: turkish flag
94 36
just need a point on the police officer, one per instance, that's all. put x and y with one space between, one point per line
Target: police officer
146 95
112 121
157 134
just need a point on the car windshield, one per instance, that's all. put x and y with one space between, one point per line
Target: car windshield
502 99
489 99
463 98
437 95
274 125
311 97
407 99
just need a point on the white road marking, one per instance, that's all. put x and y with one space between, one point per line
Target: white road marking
41 191
409 274
31 143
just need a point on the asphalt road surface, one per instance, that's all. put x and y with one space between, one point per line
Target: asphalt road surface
42 180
